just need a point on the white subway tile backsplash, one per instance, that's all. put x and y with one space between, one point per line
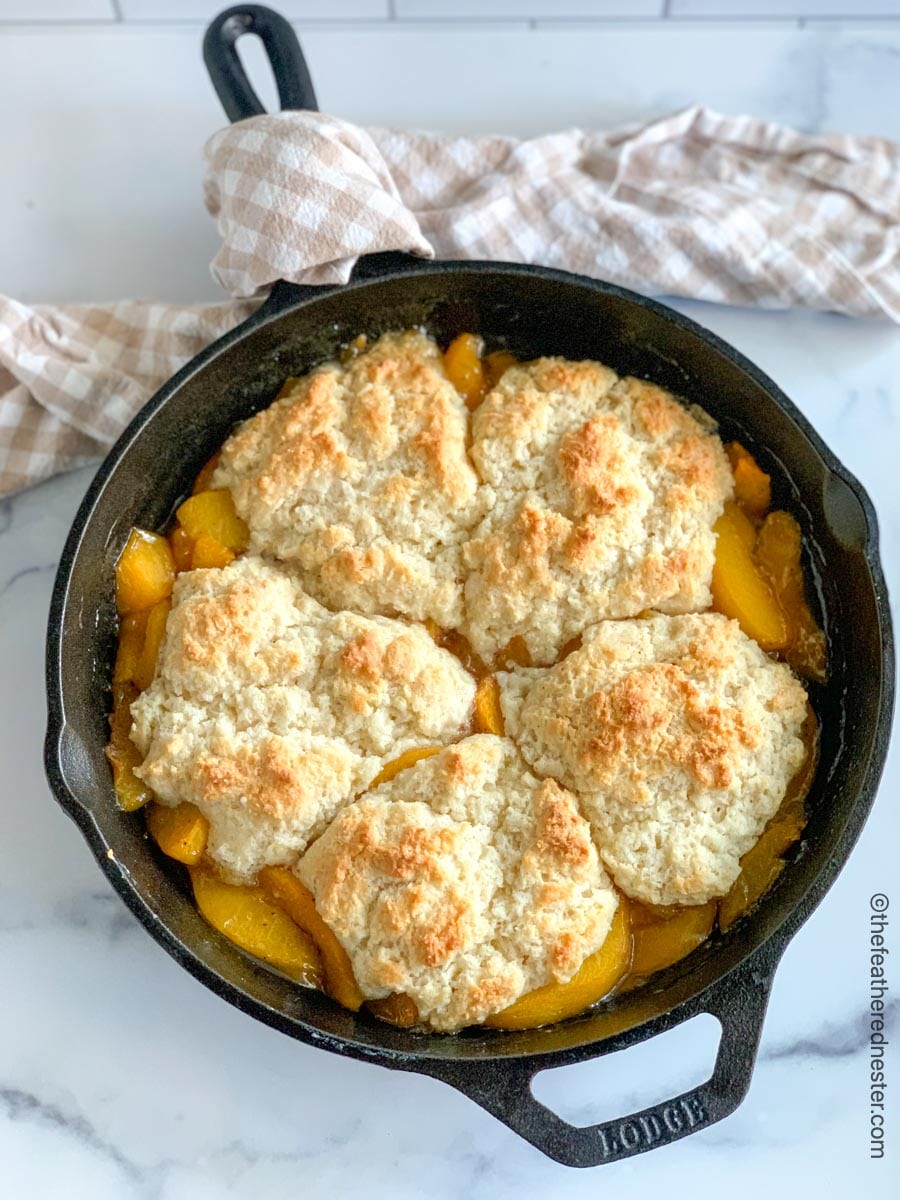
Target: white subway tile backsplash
203 10
476 13
57 10
785 9
510 9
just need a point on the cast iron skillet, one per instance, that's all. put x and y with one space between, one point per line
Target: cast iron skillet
532 311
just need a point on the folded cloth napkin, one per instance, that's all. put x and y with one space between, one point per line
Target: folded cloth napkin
727 209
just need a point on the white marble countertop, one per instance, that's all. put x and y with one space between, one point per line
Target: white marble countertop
120 1076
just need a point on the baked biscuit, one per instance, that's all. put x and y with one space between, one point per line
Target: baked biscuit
358 475
388 687
269 712
464 882
265 795
602 494
679 737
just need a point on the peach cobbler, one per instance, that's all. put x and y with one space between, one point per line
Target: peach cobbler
469 689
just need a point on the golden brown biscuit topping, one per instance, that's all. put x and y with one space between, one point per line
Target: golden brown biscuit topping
461 880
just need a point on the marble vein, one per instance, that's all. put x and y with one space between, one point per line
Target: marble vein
18 1105
841 1040
25 573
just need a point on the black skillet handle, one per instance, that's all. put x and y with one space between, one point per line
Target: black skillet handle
738 1002
292 78
295 92
235 91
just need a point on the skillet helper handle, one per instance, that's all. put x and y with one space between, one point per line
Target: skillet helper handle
292 78
738 1002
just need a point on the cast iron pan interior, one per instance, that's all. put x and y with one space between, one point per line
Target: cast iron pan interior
531 311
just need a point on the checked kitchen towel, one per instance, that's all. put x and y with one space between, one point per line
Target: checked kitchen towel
726 209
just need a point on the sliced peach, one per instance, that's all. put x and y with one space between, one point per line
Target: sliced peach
598 975
514 654
182 547
397 1009
395 765
661 943
180 832
742 524
462 363
208 552
204 476
122 753
145 571
488 713
807 655
213 514
752 486
285 889
132 630
495 364
248 918
153 639
792 807
652 914
760 867
740 591
575 643
353 349
778 552
459 647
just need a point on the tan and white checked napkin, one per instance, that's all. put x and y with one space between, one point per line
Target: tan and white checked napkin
726 209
